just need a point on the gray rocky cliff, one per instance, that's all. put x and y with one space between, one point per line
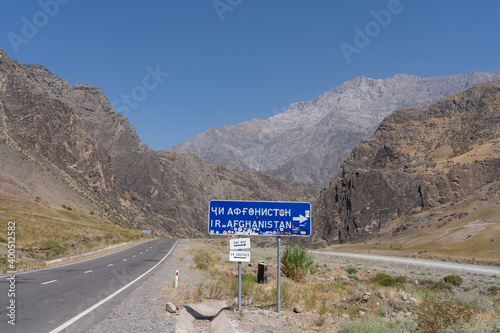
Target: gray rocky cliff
110 127
417 159
71 139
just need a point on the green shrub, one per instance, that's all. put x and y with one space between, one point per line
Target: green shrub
67 207
386 280
380 276
297 262
494 290
398 281
351 270
53 248
3 240
438 313
248 278
453 279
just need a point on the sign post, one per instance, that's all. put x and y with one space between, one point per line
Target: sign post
258 218
278 274
239 256
239 281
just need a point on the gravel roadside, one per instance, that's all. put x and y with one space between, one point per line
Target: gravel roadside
414 269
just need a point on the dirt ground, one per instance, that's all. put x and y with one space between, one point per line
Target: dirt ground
259 319
250 318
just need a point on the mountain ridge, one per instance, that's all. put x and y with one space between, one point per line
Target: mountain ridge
417 160
308 132
70 140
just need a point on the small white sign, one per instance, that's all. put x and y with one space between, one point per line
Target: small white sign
239 243
239 256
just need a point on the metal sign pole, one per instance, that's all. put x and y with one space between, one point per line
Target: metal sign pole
259 218
239 283
278 269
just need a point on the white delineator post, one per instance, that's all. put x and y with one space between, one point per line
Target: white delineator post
176 278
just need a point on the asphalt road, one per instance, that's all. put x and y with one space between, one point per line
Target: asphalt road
487 270
73 297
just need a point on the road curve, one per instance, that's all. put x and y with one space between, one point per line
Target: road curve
487 270
73 297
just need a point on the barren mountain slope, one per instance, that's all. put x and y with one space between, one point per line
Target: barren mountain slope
70 139
418 159
308 142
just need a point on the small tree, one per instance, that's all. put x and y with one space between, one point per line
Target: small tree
453 279
297 262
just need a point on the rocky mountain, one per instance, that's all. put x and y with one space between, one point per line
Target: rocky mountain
65 145
418 160
308 142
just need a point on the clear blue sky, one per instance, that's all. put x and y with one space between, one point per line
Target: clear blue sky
234 60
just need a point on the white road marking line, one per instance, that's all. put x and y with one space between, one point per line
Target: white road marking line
133 256
51 281
140 253
95 306
110 265
88 271
75 263
124 260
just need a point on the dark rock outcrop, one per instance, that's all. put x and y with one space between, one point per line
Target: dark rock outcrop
71 139
417 159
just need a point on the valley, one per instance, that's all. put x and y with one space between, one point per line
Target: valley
74 174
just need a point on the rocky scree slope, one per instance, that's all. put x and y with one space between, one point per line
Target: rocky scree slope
91 153
44 145
308 142
417 159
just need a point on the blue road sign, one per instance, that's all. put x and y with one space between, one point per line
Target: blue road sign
259 218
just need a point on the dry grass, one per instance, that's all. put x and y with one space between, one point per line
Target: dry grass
330 293
41 237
